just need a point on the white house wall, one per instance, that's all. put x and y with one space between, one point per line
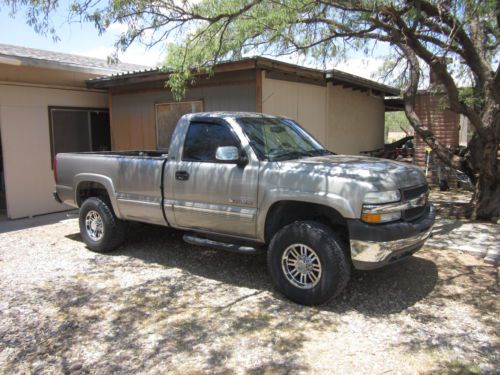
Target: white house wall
24 124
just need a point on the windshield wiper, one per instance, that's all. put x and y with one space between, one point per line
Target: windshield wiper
287 155
321 151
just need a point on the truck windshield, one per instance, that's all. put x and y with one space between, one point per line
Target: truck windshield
277 139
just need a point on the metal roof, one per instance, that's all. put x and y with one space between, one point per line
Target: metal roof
340 77
17 55
314 75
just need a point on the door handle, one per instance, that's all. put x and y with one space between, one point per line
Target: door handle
181 175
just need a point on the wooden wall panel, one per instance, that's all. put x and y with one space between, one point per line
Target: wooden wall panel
133 123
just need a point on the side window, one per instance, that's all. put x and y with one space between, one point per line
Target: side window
202 141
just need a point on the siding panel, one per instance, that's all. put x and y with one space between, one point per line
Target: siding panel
305 103
133 114
356 121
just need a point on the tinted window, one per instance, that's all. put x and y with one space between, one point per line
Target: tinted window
202 141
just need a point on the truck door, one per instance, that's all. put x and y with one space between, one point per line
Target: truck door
210 195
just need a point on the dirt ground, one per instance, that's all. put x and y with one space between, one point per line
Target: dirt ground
159 305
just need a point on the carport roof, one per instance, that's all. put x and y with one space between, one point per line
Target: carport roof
286 71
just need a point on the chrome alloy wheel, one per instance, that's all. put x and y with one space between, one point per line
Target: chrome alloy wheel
301 266
94 225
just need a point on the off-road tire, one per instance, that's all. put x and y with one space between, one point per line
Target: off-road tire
332 253
114 228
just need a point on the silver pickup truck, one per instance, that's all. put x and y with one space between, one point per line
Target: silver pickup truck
249 182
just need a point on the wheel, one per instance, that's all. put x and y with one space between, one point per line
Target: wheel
307 262
100 229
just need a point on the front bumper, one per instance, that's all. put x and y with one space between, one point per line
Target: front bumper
376 245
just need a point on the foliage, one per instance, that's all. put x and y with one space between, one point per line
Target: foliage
397 121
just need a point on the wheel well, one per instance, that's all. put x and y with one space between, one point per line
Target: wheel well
286 212
90 189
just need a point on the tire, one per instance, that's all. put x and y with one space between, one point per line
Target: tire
329 252
107 233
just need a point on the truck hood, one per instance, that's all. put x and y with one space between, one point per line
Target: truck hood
381 174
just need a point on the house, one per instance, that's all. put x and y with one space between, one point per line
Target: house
51 102
342 111
45 107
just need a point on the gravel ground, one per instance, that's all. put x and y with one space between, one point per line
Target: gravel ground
159 305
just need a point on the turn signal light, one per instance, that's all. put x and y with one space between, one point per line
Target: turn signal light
371 218
380 217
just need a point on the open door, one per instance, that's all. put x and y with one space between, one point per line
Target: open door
79 130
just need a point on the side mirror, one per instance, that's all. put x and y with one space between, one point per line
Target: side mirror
231 154
228 154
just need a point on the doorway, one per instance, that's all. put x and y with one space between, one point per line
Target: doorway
79 130
3 200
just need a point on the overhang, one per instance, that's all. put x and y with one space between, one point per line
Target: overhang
394 104
274 69
338 77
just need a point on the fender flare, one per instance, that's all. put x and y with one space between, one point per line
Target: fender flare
100 179
336 202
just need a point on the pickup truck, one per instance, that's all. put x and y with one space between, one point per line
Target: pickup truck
249 182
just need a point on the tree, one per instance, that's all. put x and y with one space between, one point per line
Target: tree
457 41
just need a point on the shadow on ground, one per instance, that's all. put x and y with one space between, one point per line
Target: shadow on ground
454 204
158 304
12 225
378 292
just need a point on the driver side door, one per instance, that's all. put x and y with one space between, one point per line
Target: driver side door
212 195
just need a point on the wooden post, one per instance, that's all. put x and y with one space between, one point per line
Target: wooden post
258 90
112 129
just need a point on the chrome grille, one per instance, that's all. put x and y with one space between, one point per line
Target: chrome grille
412 193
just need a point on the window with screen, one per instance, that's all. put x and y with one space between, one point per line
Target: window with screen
167 115
202 141
79 130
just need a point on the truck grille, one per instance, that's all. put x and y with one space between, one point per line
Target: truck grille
412 193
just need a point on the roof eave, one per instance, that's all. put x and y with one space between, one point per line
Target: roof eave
49 64
157 74
350 80
334 76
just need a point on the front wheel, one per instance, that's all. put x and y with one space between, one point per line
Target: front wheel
307 262
100 229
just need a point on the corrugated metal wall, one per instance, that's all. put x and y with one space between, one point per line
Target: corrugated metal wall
431 109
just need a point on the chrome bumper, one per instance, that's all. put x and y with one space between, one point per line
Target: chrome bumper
368 255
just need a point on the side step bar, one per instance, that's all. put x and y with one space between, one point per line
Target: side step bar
234 248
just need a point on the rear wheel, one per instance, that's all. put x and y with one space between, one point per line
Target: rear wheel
100 229
307 262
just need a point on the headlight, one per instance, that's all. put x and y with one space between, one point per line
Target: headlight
381 207
378 197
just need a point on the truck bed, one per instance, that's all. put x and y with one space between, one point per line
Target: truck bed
132 179
131 153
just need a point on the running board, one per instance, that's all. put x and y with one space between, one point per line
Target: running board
234 248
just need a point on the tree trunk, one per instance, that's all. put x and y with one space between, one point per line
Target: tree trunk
486 198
